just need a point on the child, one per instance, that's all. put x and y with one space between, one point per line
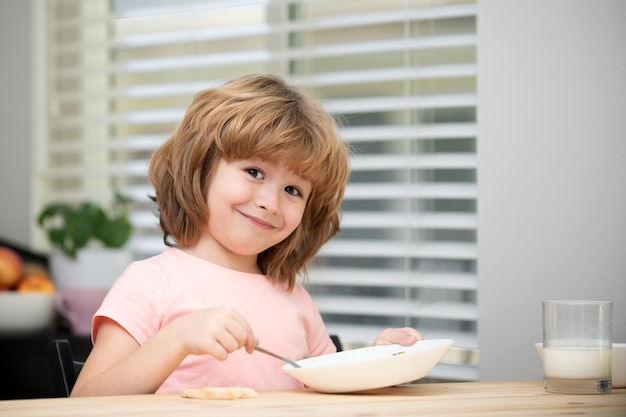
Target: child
248 189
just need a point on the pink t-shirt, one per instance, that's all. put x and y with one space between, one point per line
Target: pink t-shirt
153 292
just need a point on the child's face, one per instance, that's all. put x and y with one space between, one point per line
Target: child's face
254 204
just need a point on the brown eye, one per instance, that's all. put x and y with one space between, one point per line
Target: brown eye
293 190
255 173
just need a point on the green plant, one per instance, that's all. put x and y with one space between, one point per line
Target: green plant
72 227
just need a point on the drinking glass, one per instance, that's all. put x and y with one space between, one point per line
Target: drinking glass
577 346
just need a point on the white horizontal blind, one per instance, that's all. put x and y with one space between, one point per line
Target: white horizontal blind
400 76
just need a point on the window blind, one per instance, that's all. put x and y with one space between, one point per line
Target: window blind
400 77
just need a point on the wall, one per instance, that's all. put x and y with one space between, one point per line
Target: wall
552 169
15 121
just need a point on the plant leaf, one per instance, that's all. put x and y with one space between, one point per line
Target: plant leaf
70 228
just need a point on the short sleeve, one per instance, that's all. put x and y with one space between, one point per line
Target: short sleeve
135 302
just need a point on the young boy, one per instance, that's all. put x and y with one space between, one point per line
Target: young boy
249 188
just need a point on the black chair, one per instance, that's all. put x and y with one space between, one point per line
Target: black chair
64 368
337 342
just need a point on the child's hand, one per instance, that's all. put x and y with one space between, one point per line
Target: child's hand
215 331
405 336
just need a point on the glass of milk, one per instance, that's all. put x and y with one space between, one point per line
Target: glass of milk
577 346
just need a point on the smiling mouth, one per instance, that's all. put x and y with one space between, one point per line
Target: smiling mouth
258 222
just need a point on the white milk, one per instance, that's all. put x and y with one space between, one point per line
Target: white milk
576 363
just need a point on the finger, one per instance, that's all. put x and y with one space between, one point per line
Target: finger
244 334
405 336
217 350
414 332
408 335
229 342
224 336
384 338
250 343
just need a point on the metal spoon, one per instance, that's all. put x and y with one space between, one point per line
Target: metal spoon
267 352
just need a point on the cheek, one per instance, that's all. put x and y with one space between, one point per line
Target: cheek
295 218
228 193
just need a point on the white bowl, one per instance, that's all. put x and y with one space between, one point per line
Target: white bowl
25 312
618 370
370 367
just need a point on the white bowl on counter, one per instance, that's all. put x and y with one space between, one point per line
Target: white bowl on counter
25 312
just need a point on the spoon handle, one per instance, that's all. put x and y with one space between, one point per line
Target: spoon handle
267 352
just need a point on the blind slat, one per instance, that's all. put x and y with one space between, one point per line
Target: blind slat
396 249
379 219
400 161
381 104
196 61
381 191
374 278
387 46
393 132
342 21
180 37
361 76
379 306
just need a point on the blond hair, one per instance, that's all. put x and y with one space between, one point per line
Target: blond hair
256 116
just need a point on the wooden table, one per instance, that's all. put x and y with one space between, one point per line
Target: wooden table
446 399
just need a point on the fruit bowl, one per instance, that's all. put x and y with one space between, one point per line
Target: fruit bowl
25 312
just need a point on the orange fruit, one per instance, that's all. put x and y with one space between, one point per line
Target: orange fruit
36 283
11 267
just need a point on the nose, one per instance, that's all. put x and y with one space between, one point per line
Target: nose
268 199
